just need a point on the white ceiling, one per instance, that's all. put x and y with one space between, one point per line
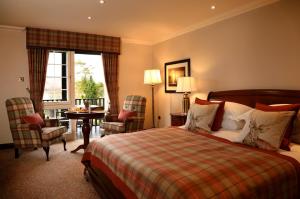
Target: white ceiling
141 21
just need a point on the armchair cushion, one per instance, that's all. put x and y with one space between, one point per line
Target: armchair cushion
114 126
125 114
33 119
52 132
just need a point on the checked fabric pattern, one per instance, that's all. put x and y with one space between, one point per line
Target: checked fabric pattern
131 103
175 163
23 135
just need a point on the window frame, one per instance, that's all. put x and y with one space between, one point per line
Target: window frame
70 85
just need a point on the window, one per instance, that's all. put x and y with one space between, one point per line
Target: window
56 86
71 78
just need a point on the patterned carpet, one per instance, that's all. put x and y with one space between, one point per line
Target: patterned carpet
31 176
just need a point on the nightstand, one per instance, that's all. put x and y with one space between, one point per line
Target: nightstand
178 119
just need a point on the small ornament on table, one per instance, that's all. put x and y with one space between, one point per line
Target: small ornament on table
87 105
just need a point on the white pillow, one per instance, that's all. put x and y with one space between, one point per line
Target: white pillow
232 111
201 116
246 118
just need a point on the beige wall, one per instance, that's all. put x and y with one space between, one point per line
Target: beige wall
14 64
134 59
259 49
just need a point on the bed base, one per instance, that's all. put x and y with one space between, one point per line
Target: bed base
102 184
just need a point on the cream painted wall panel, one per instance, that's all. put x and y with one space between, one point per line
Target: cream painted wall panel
134 60
259 49
14 64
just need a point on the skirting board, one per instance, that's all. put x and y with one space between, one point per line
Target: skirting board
7 146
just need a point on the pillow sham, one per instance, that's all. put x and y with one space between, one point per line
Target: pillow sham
266 129
232 111
201 117
124 114
295 136
275 108
217 123
34 119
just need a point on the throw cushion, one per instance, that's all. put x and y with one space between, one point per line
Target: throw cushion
266 129
217 123
201 117
290 107
124 114
34 119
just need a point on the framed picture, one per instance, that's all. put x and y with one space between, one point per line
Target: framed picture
173 70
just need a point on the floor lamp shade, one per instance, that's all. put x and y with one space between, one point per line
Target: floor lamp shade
152 77
185 85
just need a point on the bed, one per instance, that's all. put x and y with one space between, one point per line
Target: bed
157 163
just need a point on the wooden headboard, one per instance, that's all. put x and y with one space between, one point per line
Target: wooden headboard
251 96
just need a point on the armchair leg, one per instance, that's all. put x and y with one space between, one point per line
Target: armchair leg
64 142
46 149
16 153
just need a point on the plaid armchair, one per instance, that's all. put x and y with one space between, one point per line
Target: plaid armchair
31 135
135 103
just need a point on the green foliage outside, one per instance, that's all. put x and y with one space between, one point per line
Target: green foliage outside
87 87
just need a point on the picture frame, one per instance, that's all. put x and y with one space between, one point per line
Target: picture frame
173 70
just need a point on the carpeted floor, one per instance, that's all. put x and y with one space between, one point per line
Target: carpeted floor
31 176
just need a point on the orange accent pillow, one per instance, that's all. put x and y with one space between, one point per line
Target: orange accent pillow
219 114
34 119
290 107
124 114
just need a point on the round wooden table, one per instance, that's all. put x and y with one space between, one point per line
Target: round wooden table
86 127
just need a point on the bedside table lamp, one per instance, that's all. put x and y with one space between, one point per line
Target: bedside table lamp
185 85
152 77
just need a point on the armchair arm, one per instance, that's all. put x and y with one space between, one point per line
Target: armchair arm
111 118
134 118
134 124
51 122
26 128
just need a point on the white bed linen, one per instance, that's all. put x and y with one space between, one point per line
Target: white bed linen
230 135
233 135
294 153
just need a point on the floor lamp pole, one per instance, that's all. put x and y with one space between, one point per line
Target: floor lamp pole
153 122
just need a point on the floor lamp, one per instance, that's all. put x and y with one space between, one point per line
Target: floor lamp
152 77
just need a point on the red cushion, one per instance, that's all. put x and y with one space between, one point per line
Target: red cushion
290 107
124 114
219 114
34 119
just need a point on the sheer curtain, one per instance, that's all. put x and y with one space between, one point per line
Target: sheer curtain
111 70
38 60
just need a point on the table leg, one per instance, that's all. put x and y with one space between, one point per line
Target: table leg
86 129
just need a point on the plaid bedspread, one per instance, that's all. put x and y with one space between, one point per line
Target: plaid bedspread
174 163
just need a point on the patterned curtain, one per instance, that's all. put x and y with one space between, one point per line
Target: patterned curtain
111 67
65 40
38 60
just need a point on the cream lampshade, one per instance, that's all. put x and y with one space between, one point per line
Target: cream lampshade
152 77
185 85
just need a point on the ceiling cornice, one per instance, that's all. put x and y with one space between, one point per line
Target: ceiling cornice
5 27
134 41
224 16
